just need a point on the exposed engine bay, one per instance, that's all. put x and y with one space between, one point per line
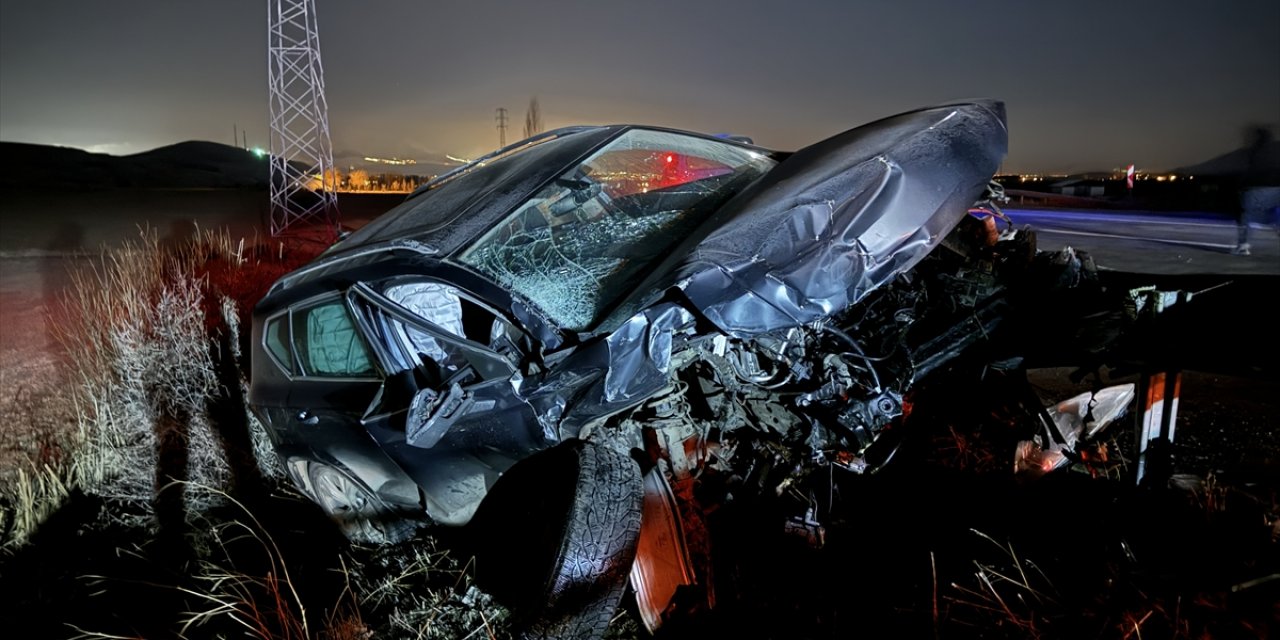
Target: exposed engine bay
777 417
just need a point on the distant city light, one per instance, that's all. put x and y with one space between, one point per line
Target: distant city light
257 151
392 161
462 160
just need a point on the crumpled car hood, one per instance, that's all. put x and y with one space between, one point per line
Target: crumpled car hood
839 218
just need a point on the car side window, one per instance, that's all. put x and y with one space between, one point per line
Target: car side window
277 342
327 342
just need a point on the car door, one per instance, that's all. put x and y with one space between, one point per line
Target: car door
337 374
446 411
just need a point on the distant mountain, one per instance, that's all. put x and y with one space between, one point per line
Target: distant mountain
186 165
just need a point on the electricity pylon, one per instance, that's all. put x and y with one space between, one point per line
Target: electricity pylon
500 116
303 183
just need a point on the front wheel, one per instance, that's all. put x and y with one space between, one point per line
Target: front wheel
561 532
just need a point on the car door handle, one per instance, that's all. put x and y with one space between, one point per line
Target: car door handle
308 418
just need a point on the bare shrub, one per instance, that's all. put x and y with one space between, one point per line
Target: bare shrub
137 336
134 331
137 328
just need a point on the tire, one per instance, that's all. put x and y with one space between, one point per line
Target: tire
562 534
359 513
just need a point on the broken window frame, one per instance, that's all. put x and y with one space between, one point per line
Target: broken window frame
486 362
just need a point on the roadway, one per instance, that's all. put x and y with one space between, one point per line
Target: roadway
1155 243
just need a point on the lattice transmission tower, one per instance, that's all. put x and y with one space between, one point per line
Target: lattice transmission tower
500 117
303 183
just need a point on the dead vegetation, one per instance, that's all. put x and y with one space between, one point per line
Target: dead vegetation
160 509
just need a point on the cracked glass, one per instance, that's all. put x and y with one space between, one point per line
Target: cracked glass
580 243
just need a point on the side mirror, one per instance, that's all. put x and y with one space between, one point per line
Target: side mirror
431 415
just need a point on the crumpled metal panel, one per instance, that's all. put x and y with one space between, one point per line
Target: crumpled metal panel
607 375
552 400
640 353
840 218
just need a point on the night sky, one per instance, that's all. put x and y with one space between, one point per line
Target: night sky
1089 85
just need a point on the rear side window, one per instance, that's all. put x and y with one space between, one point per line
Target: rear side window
277 342
327 342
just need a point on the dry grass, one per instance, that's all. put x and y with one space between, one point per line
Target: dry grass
269 464
422 592
1012 590
37 438
267 606
136 329
134 325
144 330
34 496
414 590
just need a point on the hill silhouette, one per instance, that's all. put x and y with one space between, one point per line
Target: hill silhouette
185 165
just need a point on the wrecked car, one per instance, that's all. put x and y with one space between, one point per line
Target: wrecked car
580 343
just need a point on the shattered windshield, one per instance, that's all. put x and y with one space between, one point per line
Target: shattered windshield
581 242
446 208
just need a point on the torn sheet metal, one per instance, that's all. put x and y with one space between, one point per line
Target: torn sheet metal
640 353
459 441
840 218
1079 419
610 374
